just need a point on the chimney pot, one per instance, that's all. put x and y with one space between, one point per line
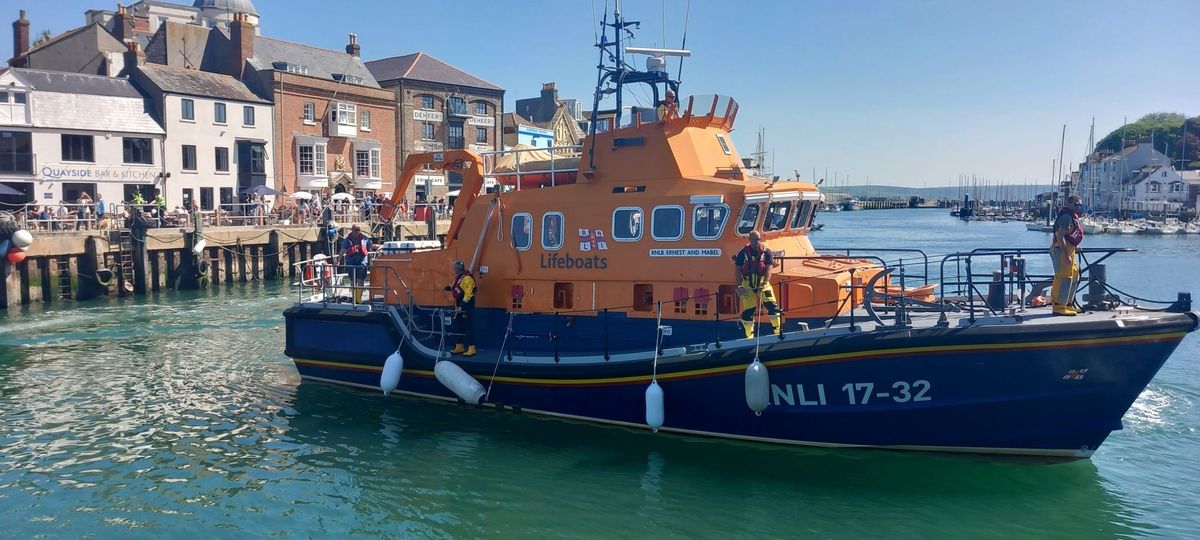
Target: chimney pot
352 47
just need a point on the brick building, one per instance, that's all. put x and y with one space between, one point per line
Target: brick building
438 107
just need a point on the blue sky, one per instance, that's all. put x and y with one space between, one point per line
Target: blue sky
906 93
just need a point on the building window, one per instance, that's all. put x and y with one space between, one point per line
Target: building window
481 135
187 109
457 106
311 159
362 163
247 115
552 230
364 120
310 112
481 108
666 223
344 114
709 220
227 198
137 150
1152 187
219 113
427 132
749 219
19 98
427 102
1176 187
777 216
454 138
78 148
16 152
206 198
258 159
627 224
189 157
521 234
222 159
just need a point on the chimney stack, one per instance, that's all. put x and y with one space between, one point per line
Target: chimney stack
20 38
241 43
123 24
352 48
134 57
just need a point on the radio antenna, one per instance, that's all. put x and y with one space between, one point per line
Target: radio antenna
687 15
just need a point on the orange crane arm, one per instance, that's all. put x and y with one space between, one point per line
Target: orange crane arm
464 162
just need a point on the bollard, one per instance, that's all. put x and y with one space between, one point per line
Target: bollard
996 299
1097 286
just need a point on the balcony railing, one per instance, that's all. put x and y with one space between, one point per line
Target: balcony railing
18 163
457 110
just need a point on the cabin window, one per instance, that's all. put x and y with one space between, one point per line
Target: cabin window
804 214
724 144
667 223
708 221
627 224
749 219
522 231
552 230
777 216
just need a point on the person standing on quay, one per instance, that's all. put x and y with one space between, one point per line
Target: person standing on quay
1068 234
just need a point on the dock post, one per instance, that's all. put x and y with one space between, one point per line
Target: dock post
241 261
89 287
137 232
155 267
271 257
996 300
10 293
48 275
187 273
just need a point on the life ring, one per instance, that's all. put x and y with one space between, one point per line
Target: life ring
104 277
318 274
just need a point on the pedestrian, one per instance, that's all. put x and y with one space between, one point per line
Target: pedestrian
752 270
1068 234
464 310
84 217
101 209
355 248
160 206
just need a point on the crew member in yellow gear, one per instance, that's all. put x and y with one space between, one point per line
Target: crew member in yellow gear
464 309
1068 234
752 270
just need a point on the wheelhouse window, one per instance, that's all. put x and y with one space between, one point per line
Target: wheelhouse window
724 144
777 216
709 220
137 150
804 214
748 219
627 224
219 113
78 148
666 223
522 234
552 230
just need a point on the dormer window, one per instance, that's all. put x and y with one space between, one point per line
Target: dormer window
348 79
18 98
291 68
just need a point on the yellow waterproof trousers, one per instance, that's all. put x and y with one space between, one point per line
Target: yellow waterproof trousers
1066 275
750 306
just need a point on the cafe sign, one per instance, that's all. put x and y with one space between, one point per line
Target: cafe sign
92 173
427 146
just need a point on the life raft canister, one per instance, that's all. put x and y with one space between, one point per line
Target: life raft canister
317 274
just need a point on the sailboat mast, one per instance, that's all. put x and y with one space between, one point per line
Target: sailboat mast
1061 146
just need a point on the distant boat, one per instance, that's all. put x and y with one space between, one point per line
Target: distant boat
1038 227
851 205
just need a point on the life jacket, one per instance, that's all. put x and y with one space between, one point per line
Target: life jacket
357 247
754 266
1075 233
458 291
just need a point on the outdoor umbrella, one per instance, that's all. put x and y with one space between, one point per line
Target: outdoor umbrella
262 190
342 197
301 195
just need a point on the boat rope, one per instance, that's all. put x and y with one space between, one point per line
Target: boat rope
1119 292
757 333
441 315
503 344
657 342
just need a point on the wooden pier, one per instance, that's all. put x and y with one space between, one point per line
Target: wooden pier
82 265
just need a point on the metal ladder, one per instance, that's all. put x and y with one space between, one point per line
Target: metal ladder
64 279
125 256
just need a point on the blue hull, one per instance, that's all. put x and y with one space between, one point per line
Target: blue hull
1024 390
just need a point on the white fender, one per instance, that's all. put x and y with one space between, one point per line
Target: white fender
22 239
199 247
758 387
655 413
464 386
390 378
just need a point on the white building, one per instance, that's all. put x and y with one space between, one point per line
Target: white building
1157 189
64 134
1103 179
219 134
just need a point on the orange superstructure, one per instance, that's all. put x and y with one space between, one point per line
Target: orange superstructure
657 218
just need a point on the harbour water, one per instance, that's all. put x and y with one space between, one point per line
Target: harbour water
178 414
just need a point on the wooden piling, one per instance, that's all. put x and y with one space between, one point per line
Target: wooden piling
48 276
91 261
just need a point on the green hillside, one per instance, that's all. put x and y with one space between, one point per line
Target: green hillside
1166 129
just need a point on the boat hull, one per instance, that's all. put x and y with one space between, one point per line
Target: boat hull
1017 391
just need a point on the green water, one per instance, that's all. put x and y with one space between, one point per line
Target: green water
178 415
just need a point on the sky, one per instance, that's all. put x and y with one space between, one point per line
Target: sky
913 93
